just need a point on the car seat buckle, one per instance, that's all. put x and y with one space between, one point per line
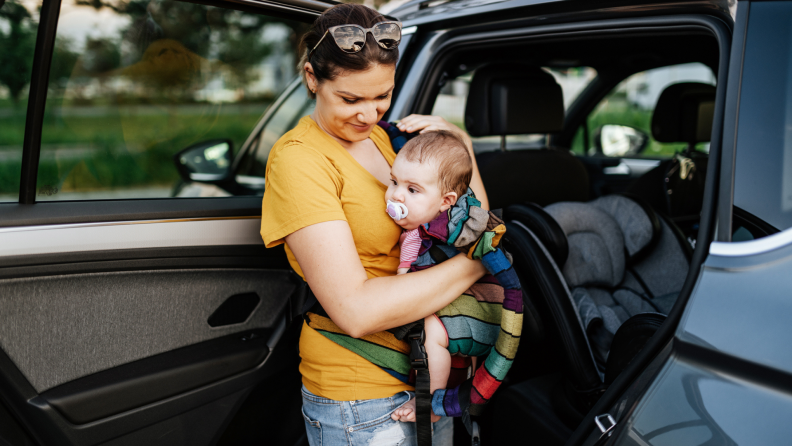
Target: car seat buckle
418 357
605 423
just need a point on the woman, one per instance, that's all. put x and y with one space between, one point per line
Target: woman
324 197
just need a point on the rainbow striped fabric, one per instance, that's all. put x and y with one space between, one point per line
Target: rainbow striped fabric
485 320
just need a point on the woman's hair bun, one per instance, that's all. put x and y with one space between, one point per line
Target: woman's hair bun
328 60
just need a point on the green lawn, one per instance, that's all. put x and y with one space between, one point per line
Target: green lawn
105 147
91 148
618 111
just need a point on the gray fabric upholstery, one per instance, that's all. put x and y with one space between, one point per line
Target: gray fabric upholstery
604 290
596 244
665 269
60 328
632 219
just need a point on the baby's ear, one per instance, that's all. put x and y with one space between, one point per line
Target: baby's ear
449 200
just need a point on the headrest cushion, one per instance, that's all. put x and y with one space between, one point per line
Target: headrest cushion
513 99
684 113
596 244
637 225
543 226
538 176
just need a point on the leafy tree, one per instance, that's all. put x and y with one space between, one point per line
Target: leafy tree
16 48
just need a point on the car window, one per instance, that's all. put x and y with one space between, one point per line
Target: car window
294 106
450 104
763 169
134 84
620 125
18 28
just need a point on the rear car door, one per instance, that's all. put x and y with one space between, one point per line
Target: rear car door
129 316
723 378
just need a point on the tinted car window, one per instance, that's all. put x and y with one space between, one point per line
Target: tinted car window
763 171
293 107
18 27
450 104
142 81
631 104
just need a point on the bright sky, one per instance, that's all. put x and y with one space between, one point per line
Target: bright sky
79 22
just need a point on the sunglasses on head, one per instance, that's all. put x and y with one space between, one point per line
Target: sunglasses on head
351 38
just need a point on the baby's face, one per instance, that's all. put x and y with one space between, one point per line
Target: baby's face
416 185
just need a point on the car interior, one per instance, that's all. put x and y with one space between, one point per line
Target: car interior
601 257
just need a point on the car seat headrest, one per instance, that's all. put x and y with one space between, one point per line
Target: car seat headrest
638 223
596 244
513 99
537 176
543 226
684 113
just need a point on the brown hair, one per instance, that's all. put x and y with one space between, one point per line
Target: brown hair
449 153
328 60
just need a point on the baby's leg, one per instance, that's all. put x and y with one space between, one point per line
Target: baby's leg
436 344
437 350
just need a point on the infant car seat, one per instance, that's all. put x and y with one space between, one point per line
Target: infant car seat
623 260
594 274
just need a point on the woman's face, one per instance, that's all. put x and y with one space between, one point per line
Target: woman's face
349 106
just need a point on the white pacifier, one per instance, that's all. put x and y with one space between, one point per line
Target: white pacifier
396 210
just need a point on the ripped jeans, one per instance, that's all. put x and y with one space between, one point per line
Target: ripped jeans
364 422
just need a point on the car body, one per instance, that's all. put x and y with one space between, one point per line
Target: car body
154 315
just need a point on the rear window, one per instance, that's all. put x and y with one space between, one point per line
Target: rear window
450 104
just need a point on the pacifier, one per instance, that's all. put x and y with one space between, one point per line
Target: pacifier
396 210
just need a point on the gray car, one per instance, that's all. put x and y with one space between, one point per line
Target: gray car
639 151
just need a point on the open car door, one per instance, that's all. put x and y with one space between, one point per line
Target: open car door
128 316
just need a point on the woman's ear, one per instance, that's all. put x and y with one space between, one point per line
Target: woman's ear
309 77
449 200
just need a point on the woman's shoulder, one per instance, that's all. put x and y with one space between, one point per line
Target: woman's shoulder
305 134
302 144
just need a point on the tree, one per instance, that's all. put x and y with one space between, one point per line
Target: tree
16 48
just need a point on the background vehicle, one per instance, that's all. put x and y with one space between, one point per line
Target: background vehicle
139 306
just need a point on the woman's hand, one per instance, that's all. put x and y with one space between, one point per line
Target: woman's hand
427 123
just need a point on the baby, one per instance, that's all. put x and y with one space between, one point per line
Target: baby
428 176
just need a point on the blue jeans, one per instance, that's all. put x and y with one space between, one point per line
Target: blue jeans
364 422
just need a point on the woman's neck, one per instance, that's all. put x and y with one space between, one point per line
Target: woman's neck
344 143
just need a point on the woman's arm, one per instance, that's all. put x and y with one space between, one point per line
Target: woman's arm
359 305
426 123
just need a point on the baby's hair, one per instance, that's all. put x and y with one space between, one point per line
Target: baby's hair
448 153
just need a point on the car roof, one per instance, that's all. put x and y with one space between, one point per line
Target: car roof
434 13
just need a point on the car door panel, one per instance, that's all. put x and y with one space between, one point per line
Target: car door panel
158 377
60 328
127 329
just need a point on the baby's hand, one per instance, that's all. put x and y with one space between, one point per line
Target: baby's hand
402 271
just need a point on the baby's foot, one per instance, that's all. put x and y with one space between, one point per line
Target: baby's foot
406 413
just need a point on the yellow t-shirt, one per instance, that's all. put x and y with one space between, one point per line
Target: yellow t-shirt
311 178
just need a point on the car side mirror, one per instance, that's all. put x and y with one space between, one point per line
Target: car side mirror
619 140
205 162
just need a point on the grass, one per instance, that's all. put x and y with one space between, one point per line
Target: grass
105 148
617 110
102 148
